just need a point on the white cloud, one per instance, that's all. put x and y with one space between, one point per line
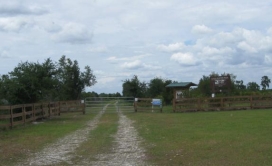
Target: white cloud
12 24
52 27
133 58
112 58
268 59
186 59
147 38
4 54
269 31
115 59
74 33
246 47
11 8
201 29
132 65
98 49
105 80
207 50
240 46
171 47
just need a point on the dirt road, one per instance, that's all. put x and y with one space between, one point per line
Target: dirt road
127 150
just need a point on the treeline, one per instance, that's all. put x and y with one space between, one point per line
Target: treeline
54 81
156 88
94 94
31 82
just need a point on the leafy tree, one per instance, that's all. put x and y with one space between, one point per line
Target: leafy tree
134 88
88 94
240 85
156 87
204 86
265 82
253 86
71 81
118 94
167 93
33 82
29 82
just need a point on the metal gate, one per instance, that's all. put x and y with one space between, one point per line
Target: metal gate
112 104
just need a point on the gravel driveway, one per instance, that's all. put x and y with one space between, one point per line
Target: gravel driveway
127 150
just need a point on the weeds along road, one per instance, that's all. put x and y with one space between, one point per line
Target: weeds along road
126 146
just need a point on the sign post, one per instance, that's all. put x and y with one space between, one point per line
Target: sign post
220 83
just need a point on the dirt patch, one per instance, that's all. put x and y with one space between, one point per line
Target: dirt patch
62 149
127 149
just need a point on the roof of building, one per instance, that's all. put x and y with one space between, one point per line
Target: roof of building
181 85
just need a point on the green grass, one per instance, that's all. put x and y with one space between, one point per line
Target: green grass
207 138
17 143
202 138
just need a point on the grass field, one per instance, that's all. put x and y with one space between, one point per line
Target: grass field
203 138
17 143
208 138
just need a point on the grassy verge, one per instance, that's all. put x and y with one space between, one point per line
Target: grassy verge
17 143
210 138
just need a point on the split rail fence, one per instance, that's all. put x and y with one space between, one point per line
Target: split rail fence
222 103
13 115
147 104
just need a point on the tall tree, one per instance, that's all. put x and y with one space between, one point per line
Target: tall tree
32 82
204 86
265 82
71 81
240 85
167 93
253 86
156 87
134 88
29 82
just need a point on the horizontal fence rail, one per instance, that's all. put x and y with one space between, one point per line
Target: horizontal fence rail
148 104
13 115
114 104
222 103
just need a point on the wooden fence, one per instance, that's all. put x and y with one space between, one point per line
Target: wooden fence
222 103
21 114
145 104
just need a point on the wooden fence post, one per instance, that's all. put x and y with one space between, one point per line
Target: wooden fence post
33 113
58 108
221 103
251 104
83 105
135 106
24 114
174 105
11 117
50 111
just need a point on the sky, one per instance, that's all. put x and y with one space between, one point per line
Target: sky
170 39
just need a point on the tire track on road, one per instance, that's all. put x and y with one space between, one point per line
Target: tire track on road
127 150
62 150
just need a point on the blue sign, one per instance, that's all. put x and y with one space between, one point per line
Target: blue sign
156 102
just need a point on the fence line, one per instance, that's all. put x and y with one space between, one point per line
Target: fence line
222 103
95 104
13 115
146 104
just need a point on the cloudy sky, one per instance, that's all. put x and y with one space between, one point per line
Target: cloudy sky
172 39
